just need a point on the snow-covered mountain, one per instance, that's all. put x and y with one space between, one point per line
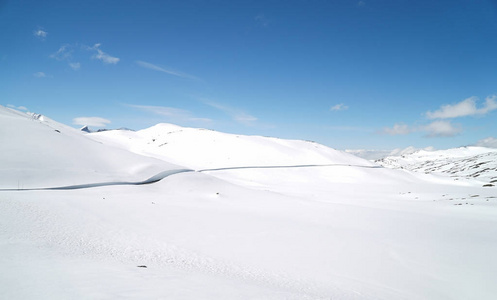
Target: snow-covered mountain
234 217
478 163
87 129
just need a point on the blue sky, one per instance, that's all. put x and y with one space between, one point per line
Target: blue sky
372 74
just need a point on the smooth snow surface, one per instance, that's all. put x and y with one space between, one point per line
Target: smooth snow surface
206 149
328 225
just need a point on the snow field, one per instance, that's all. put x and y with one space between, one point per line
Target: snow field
345 229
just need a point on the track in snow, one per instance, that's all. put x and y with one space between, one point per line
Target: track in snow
153 179
283 167
158 177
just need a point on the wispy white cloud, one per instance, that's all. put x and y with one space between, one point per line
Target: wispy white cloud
397 129
150 66
171 113
441 128
464 108
104 57
91 121
361 3
75 66
489 142
40 75
339 107
40 33
64 53
236 114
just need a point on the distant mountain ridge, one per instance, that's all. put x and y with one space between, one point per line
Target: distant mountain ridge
88 130
477 163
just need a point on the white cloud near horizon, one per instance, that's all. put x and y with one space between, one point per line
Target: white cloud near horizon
104 57
467 107
397 129
173 114
489 142
150 66
91 121
235 114
441 128
339 107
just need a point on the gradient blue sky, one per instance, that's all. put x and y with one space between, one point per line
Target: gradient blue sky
372 74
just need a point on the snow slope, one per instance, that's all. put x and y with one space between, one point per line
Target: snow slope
39 152
306 225
478 163
205 149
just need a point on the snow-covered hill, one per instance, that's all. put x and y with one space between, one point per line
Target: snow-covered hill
477 163
261 218
39 152
204 149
